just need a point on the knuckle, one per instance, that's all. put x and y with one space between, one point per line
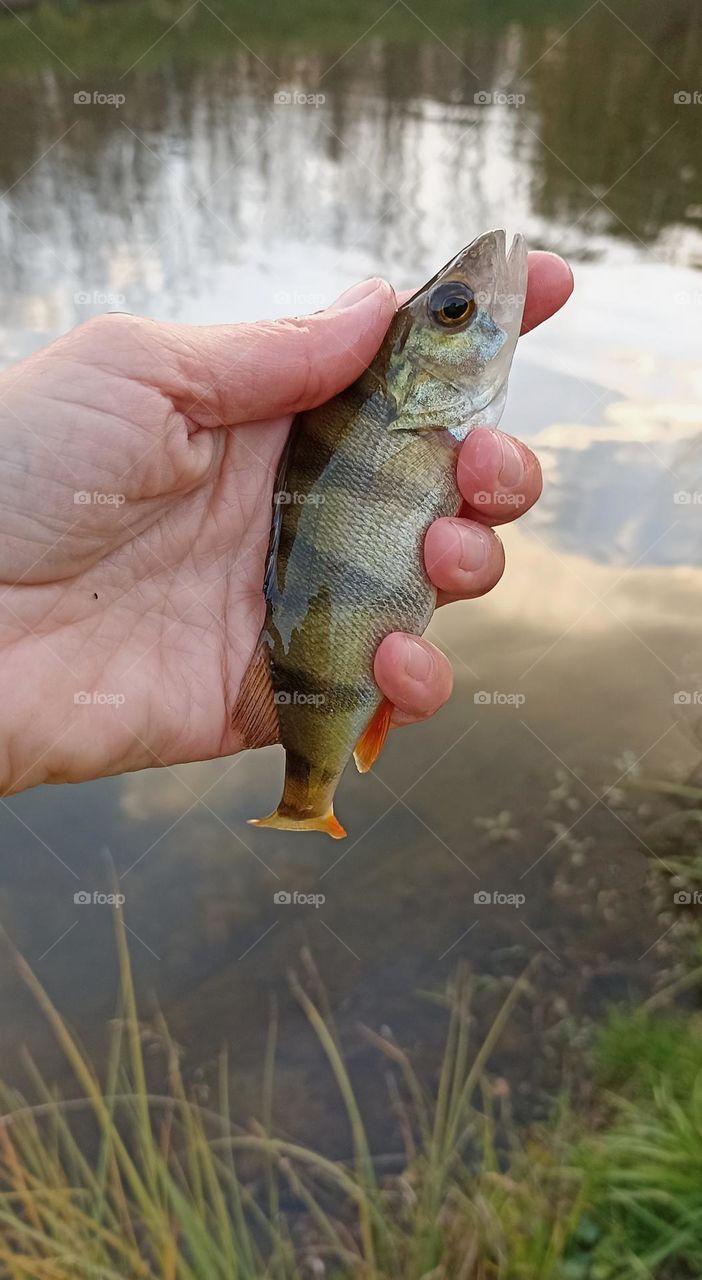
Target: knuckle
109 336
111 324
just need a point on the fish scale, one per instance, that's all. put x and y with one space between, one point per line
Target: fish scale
365 475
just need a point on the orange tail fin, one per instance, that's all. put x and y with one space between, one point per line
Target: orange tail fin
325 822
372 740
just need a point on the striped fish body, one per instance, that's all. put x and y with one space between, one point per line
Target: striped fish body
347 569
364 477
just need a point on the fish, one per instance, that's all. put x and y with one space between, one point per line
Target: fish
362 479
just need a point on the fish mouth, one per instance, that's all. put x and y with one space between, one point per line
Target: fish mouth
498 278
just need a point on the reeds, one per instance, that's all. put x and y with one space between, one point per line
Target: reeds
124 1183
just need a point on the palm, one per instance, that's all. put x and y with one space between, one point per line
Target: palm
177 570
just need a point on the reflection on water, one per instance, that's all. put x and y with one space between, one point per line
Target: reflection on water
203 199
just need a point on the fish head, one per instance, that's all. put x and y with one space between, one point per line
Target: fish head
446 358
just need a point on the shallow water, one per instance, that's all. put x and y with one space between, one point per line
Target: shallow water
201 198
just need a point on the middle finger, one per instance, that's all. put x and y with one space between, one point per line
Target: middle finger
464 559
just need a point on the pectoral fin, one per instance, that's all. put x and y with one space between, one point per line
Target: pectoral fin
255 713
372 740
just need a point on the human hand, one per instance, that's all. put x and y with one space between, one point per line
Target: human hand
147 597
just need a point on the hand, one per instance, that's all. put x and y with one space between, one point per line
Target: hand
137 462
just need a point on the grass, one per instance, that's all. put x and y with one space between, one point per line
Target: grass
122 1184
643 1170
642 1163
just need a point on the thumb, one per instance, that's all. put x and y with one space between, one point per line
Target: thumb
247 372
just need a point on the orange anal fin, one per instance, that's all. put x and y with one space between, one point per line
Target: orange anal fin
372 740
255 714
326 822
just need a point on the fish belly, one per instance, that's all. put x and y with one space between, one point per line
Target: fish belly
357 501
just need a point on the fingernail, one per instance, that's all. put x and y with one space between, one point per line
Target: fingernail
419 663
355 294
512 469
473 546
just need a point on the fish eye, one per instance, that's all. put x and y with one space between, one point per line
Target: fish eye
452 305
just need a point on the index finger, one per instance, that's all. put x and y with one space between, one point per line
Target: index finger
549 286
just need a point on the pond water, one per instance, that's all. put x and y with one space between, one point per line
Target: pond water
257 168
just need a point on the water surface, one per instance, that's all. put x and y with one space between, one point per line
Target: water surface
202 198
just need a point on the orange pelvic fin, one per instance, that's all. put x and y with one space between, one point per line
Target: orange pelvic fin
372 740
325 822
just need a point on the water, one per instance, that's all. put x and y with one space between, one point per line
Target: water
201 198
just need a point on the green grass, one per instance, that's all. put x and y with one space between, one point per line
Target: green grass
643 1170
118 1182
636 1051
163 1187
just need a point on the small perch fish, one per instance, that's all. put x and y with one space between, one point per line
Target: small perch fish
362 479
